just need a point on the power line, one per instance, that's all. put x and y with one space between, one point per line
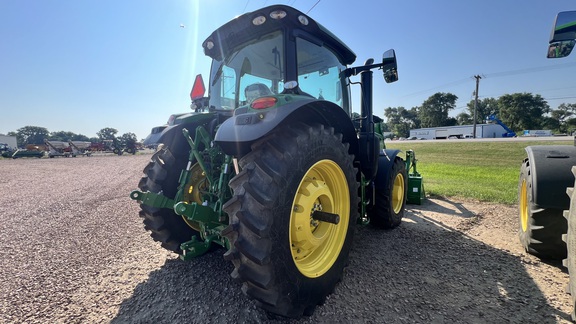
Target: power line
438 87
247 2
313 6
529 70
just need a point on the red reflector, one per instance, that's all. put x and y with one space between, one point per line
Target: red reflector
264 102
198 88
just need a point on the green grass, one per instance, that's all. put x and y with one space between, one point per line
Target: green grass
486 171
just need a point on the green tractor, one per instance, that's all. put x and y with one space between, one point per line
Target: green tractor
546 195
271 166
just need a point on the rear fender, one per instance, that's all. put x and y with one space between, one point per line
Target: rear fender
385 164
236 135
172 135
550 168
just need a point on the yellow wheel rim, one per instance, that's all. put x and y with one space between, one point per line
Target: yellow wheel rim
193 191
316 245
524 206
398 191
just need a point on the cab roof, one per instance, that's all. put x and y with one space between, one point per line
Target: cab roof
242 29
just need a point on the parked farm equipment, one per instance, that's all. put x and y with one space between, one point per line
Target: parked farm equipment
546 195
272 167
106 146
23 153
493 119
57 148
80 148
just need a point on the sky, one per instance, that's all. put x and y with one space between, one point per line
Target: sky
81 66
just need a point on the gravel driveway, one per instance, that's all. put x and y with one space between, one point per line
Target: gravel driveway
75 251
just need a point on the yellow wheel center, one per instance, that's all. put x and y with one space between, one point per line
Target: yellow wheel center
524 206
315 244
193 191
398 191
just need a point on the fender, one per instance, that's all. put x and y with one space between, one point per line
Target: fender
172 135
550 168
385 163
236 135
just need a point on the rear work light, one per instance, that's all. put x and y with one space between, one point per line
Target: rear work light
278 14
264 102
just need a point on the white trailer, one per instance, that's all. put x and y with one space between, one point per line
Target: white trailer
462 131
10 141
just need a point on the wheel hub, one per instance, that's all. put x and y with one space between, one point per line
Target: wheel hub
315 243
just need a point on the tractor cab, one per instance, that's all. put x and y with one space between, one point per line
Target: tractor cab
279 57
273 52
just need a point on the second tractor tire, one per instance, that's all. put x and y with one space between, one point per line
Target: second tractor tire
389 197
161 175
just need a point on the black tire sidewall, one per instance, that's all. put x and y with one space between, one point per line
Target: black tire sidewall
381 213
315 288
264 195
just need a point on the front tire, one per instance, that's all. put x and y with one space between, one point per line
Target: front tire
389 197
161 175
540 229
286 260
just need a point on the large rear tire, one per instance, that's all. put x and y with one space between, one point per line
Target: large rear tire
570 240
540 229
285 259
161 175
390 200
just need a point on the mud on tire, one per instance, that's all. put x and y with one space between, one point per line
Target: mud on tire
284 259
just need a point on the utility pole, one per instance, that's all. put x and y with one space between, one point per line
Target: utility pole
477 77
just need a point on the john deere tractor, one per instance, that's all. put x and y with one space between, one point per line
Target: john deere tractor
271 166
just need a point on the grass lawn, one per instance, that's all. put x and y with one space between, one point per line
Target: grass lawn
487 171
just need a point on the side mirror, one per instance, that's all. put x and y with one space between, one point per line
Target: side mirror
563 35
389 66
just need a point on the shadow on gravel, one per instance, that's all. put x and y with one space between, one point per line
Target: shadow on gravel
417 273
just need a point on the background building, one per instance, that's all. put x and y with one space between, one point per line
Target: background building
462 131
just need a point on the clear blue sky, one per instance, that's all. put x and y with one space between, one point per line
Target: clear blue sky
81 66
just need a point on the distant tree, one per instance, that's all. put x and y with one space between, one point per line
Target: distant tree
64 136
522 111
61 136
31 135
464 119
564 116
412 116
94 139
400 120
128 140
434 111
550 123
80 137
451 121
107 134
485 108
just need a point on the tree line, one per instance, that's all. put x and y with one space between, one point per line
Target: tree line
518 111
36 135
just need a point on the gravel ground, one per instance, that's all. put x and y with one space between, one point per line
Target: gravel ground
75 251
